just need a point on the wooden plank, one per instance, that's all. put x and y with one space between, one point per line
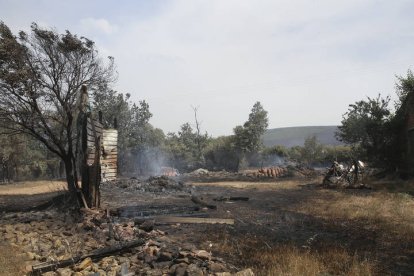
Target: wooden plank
109 175
110 142
110 135
110 145
110 158
231 198
113 173
169 220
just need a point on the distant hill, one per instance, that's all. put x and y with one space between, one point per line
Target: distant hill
295 136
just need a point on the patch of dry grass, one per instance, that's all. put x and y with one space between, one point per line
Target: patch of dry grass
279 185
11 263
33 187
291 260
393 212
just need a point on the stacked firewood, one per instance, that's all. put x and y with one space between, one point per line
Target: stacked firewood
270 172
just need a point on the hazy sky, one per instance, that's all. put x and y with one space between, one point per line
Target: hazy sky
305 61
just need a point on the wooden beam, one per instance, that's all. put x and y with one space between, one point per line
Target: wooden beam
170 220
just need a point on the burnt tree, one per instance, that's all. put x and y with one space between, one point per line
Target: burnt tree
41 74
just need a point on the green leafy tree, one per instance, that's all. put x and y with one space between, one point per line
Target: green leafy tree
41 74
247 138
404 87
366 127
312 150
221 154
184 148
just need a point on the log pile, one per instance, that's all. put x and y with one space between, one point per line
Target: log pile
270 172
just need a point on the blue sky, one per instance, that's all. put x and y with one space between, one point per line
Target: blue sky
304 60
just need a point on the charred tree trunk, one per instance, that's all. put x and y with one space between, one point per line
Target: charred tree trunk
70 174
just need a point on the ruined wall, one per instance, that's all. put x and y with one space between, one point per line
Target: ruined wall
109 156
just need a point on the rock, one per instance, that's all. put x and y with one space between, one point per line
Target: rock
222 274
202 254
94 268
153 243
28 269
161 265
182 260
124 269
178 269
147 226
101 272
184 253
83 265
149 259
151 250
194 270
31 255
246 272
165 256
216 267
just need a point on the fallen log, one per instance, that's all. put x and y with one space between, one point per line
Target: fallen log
169 220
231 198
39 269
198 201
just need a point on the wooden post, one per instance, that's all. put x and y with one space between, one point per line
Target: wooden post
84 160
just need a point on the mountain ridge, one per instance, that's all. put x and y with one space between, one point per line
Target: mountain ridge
295 136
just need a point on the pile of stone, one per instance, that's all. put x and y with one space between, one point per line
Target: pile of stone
51 236
153 185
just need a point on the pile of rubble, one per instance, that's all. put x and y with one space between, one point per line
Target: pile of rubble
153 185
53 243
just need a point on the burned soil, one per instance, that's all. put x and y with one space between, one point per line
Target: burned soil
278 225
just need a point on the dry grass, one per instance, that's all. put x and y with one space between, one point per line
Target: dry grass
33 187
393 212
279 185
291 260
11 263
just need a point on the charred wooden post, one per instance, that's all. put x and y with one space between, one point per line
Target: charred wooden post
91 156
98 152
90 135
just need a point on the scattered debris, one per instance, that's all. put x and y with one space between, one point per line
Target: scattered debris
95 244
85 261
168 171
154 185
201 202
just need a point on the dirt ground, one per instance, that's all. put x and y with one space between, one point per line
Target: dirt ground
287 227
24 196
